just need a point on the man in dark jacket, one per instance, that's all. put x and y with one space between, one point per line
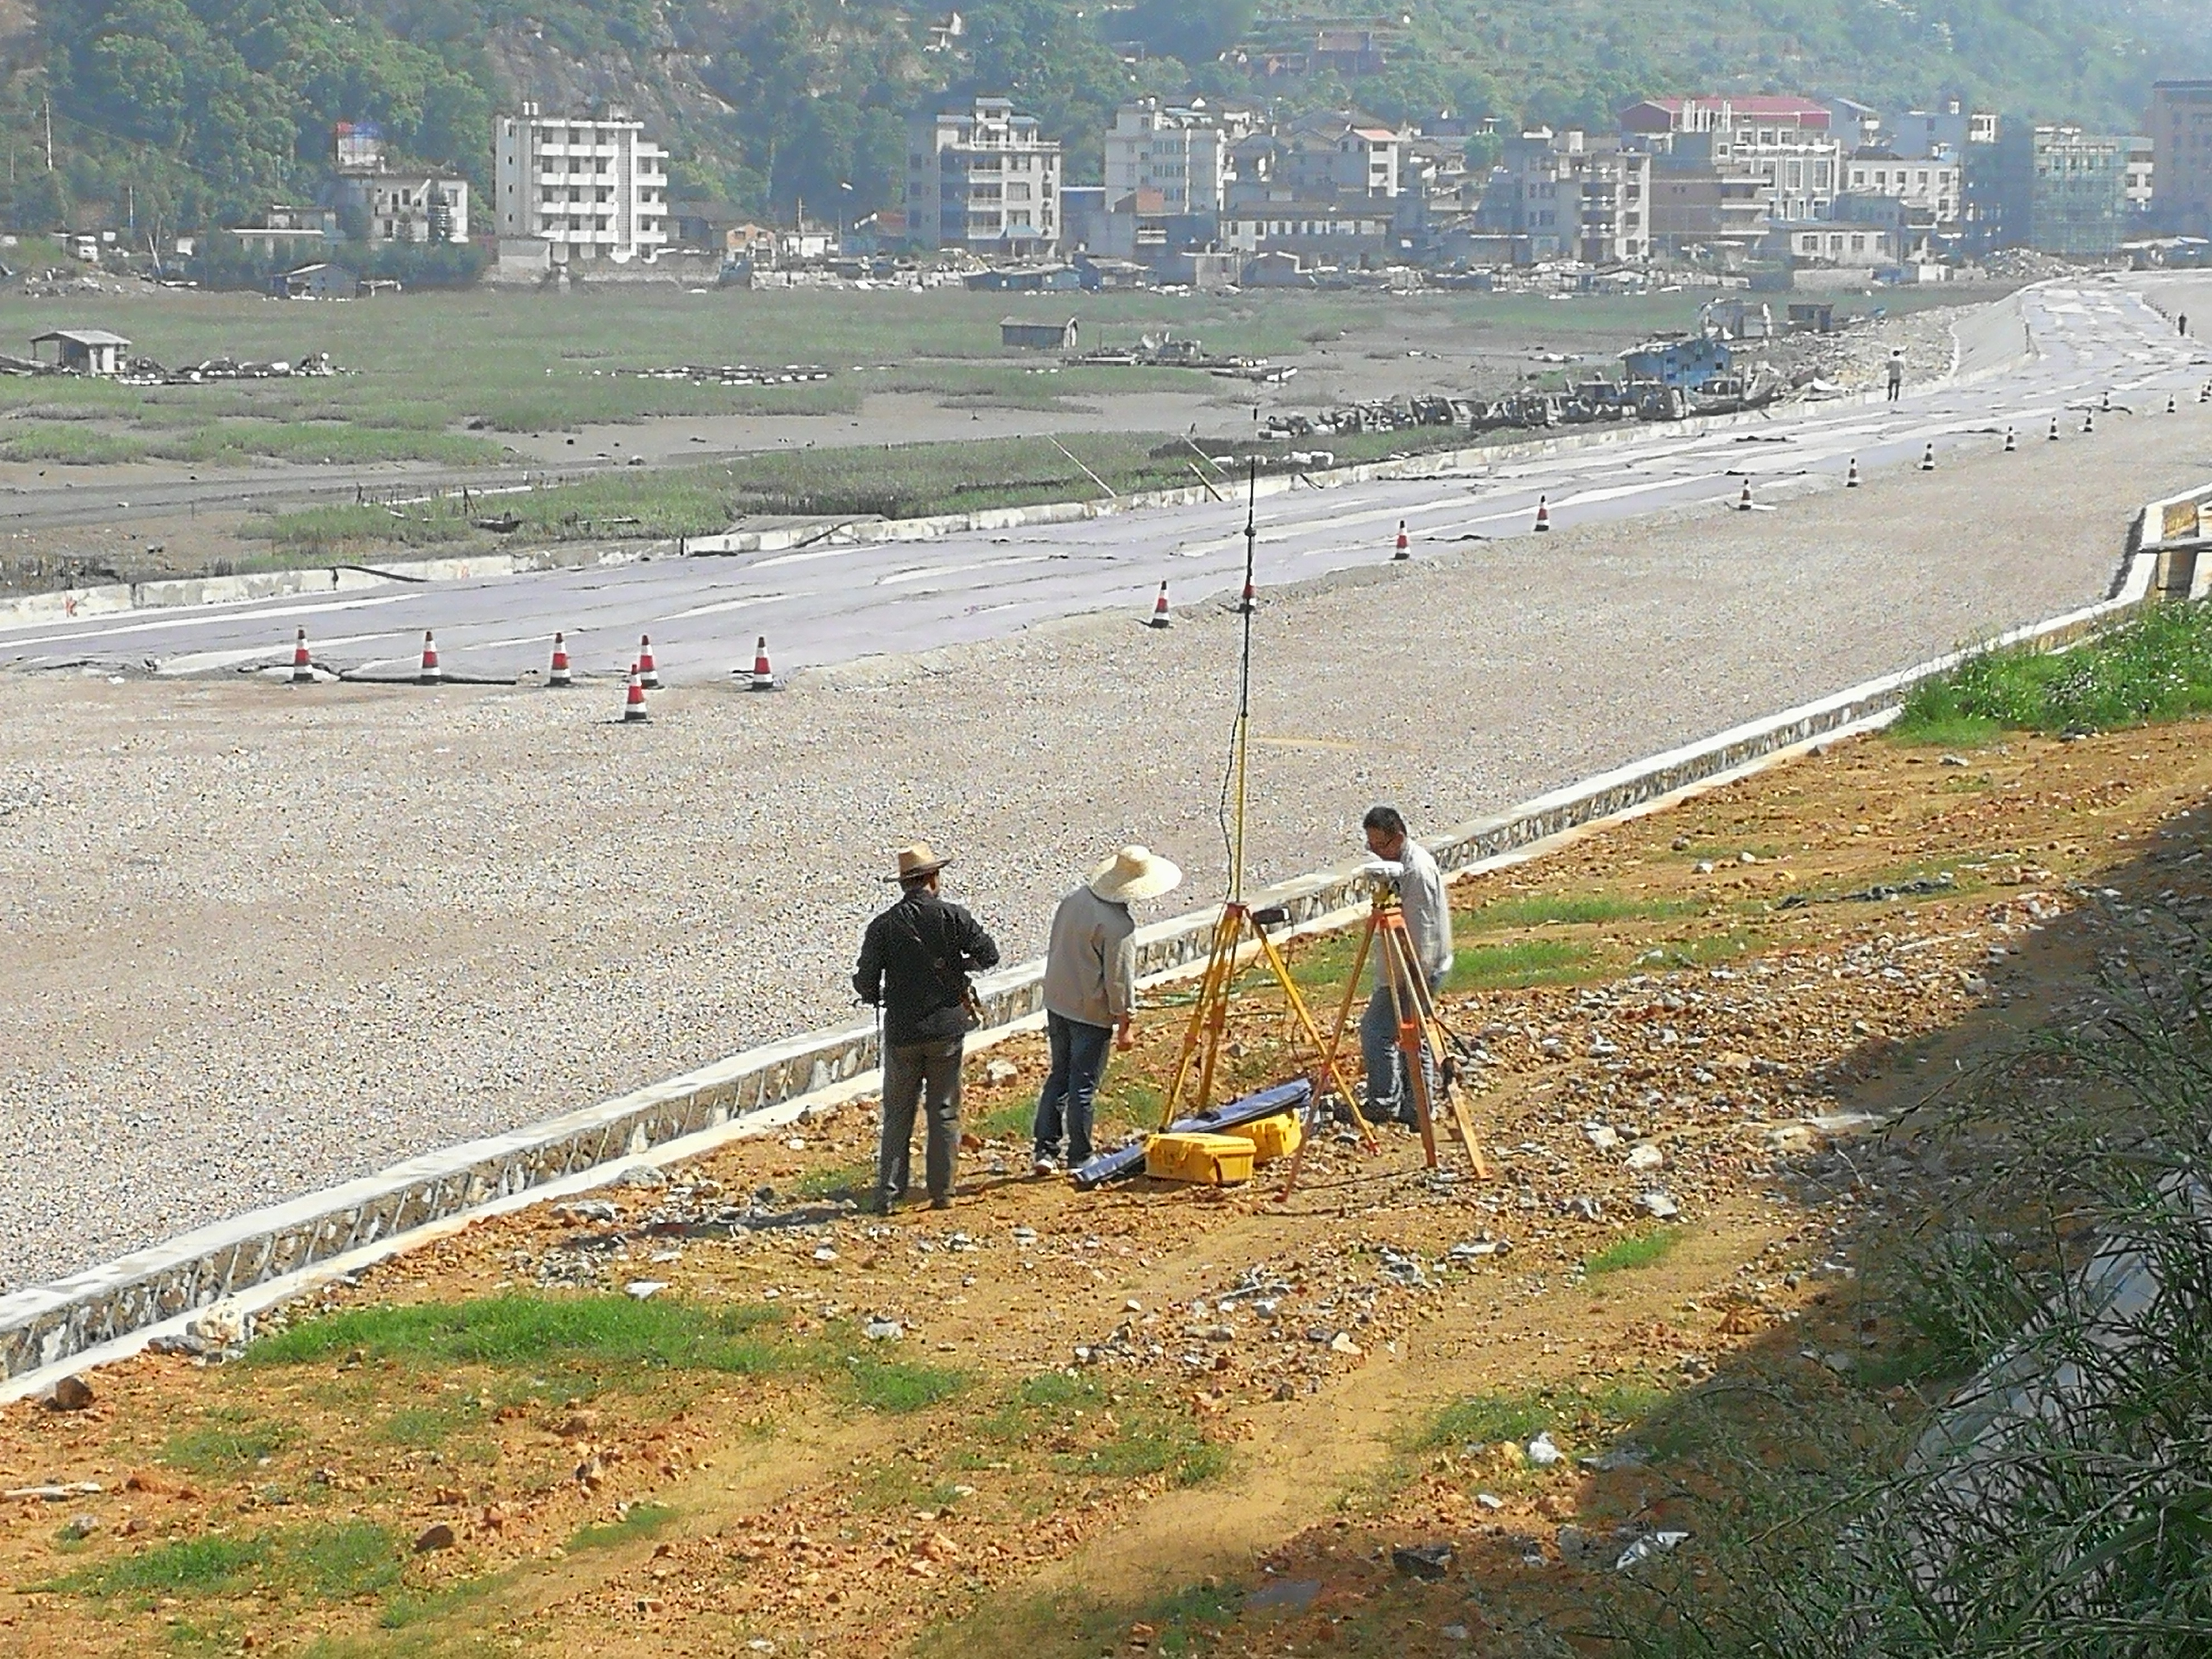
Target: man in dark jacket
914 961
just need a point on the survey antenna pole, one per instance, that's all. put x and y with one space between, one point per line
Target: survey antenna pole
1244 686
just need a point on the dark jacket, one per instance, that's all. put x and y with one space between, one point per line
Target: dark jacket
912 958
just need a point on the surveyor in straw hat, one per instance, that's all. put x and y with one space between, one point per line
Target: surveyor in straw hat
915 958
1090 992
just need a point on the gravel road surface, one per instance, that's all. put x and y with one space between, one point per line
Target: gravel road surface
263 939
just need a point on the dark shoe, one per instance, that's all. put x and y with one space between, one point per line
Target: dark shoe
940 1203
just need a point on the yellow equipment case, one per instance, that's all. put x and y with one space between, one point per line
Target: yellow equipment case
1272 1137
1210 1160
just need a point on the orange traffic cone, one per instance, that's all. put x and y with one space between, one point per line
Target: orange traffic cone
1851 477
2108 400
2088 421
2054 428
1160 618
428 674
1543 515
303 669
2012 443
1250 601
557 677
1928 457
2169 403
764 677
647 674
1743 502
1402 553
634 707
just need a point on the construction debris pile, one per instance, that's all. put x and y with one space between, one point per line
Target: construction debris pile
730 374
145 371
1165 351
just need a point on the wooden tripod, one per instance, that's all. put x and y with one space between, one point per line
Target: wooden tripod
1422 1039
1209 1021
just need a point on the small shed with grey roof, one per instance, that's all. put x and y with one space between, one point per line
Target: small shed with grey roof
85 351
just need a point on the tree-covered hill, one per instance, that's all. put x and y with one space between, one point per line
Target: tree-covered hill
176 113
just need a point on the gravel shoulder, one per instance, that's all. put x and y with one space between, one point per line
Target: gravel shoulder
263 939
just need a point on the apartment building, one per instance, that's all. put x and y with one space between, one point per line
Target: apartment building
1947 132
591 187
983 179
1930 184
2180 123
1181 151
2061 190
1783 142
1575 198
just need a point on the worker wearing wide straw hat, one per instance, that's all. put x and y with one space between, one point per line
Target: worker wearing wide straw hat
1090 992
914 962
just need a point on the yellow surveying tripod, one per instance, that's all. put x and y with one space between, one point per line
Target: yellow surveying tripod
1432 1052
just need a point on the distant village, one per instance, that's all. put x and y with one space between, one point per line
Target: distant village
1804 191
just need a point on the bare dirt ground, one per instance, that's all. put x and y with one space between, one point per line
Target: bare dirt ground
1161 1419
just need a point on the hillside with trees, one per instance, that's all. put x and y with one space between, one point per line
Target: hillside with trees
174 114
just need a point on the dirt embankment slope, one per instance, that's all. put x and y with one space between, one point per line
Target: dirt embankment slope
1161 1418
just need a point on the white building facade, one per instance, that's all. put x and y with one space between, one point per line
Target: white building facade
590 186
1182 152
983 179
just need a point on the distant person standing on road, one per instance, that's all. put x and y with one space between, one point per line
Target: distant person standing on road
1896 372
1420 883
1090 992
915 958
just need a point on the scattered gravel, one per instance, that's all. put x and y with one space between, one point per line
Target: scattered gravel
263 940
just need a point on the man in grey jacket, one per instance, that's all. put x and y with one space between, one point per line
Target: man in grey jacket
1090 992
1402 860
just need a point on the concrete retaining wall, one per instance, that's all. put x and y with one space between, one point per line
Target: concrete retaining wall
51 1325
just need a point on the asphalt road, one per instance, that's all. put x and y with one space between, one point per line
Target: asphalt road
2057 351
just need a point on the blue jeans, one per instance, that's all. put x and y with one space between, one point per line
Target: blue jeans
1079 1060
1387 1096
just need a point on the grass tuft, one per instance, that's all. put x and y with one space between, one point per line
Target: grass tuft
1636 1249
2155 668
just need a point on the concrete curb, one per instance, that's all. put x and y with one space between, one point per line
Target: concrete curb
106 1311
66 605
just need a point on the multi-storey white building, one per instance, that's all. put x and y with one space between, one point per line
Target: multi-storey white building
1577 199
1786 142
1928 184
981 179
590 186
1182 152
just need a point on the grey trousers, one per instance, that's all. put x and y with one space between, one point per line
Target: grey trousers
910 1069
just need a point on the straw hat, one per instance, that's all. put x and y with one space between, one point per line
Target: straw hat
1134 873
915 862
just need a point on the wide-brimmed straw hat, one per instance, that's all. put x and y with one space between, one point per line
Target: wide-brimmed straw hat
916 861
1134 873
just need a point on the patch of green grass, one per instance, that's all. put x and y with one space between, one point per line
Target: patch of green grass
406 1608
2155 667
1640 1249
602 1338
183 1566
1515 965
340 1562
1484 1419
226 1442
854 1181
1543 910
331 1563
424 1426
896 1388
639 1520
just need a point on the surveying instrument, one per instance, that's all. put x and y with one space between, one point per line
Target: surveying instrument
1429 1050
1419 1028
1202 1038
